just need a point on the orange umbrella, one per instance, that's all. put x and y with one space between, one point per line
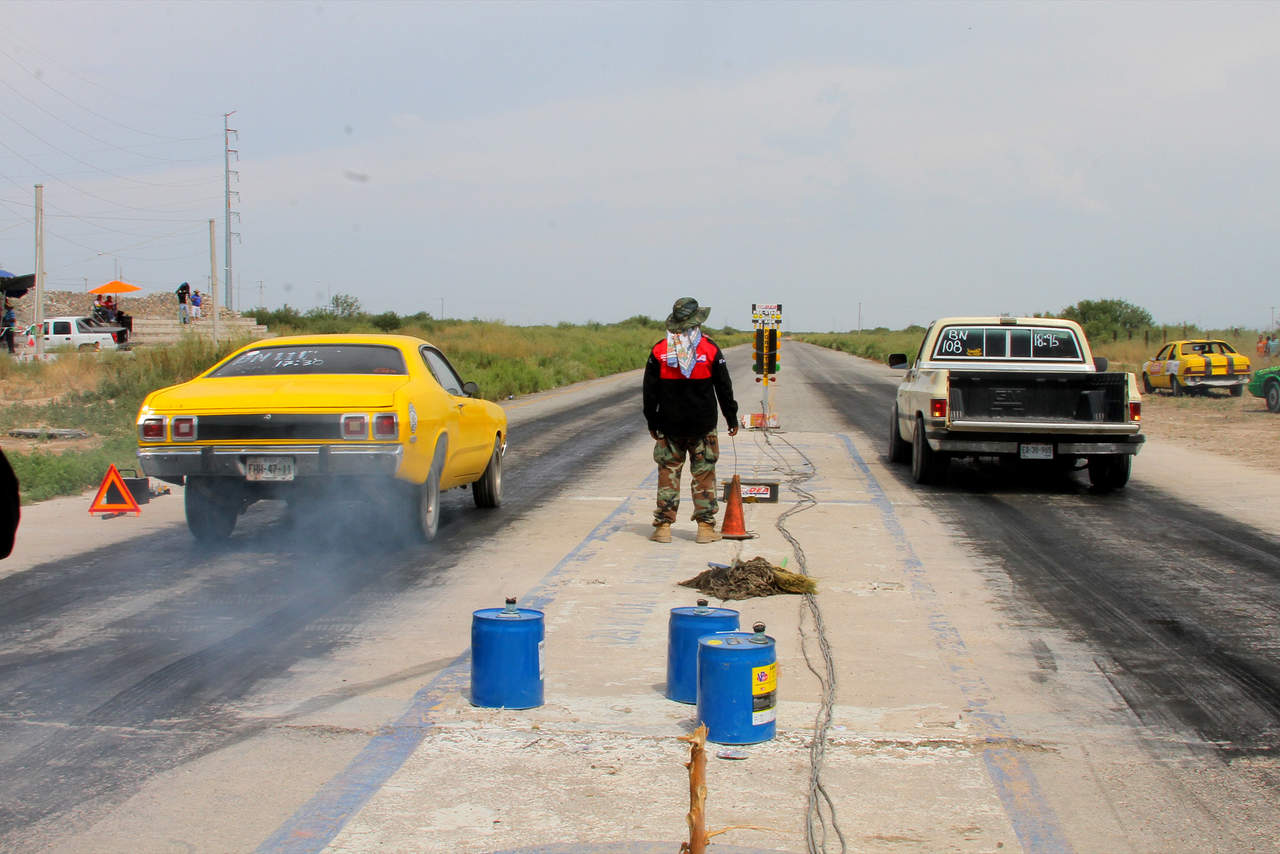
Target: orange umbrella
115 287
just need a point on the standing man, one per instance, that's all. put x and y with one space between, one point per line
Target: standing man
184 293
684 378
10 324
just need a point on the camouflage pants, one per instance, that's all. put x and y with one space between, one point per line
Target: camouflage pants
669 453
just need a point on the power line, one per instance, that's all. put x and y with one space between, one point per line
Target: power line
79 130
38 78
83 162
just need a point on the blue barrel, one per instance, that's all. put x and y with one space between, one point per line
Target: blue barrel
684 627
738 686
506 657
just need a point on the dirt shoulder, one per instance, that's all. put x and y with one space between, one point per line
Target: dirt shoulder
1240 428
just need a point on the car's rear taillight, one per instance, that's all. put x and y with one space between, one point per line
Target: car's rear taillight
151 429
183 428
1135 410
385 426
938 407
355 427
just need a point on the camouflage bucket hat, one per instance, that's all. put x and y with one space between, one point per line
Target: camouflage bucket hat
686 314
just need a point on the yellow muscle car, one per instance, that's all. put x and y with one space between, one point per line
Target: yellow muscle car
1196 366
380 416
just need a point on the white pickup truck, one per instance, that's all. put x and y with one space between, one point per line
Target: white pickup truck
1014 389
81 333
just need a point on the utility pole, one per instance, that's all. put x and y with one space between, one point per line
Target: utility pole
260 305
227 131
213 277
39 308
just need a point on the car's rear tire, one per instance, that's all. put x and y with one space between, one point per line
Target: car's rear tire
487 491
424 504
1237 391
211 514
1175 387
1110 471
1272 395
899 448
927 465
1147 387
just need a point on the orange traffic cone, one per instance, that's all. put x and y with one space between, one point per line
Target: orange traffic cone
733 528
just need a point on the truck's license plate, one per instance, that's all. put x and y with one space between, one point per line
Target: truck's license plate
1035 452
268 468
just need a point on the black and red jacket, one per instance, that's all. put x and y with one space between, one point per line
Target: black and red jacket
676 405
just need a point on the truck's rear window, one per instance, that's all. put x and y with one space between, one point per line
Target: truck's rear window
1022 343
316 359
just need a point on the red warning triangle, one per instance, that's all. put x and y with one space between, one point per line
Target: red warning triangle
113 496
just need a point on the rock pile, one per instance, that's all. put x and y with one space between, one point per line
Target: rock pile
60 303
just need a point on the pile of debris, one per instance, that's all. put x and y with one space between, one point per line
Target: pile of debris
748 579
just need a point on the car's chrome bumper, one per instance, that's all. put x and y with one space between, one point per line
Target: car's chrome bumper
1224 381
170 462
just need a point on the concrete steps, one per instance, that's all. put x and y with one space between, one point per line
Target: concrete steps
154 330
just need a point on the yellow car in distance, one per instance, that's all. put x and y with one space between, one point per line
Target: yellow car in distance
1196 365
382 417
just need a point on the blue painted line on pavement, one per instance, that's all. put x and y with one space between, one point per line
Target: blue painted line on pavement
317 822
1033 819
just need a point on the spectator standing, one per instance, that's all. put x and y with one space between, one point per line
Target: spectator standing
1273 346
1262 344
196 302
184 293
684 378
10 321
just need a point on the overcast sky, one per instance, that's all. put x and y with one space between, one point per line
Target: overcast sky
542 162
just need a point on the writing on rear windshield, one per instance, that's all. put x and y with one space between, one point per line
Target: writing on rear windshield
320 359
1007 342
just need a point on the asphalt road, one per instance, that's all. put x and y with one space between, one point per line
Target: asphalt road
278 659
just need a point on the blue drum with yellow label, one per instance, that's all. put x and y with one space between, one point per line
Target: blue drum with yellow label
738 686
684 628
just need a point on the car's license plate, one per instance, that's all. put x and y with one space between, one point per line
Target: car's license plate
1035 452
268 468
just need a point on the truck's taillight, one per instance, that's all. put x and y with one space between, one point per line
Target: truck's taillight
1135 410
938 407
385 426
184 428
355 427
152 429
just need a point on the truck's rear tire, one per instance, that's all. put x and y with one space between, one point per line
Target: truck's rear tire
899 448
211 514
1110 471
927 465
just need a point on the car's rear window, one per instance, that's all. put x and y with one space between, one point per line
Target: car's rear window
1023 343
315 359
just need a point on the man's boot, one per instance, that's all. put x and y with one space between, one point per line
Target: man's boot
661 533
707 532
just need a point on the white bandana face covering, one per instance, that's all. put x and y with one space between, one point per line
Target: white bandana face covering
682 348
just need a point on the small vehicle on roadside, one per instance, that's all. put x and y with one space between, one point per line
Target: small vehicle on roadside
1266 385
381 417
1195 366
1018 390
82 333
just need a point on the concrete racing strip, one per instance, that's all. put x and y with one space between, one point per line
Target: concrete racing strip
1033 819
315 825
